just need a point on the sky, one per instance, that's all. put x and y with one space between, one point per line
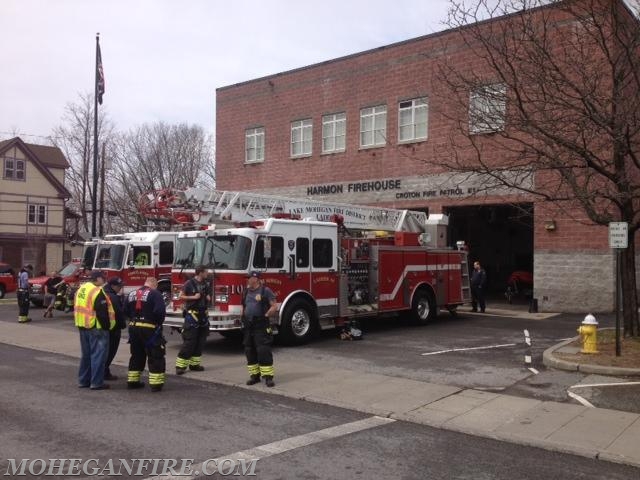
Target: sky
164 59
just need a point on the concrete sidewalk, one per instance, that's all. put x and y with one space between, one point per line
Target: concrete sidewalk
591 432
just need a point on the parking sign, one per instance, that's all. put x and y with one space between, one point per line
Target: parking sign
618 235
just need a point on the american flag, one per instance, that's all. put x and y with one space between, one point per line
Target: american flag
99 76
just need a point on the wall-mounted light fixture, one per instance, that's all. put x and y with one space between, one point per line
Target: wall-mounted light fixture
549 225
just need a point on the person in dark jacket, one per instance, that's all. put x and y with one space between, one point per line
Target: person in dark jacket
195 329
113 289
478 287
146 310
50 291
23 293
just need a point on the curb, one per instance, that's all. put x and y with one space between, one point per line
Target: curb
549 360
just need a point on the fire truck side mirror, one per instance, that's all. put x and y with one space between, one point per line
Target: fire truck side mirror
292 266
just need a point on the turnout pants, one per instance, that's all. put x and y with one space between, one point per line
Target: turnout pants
195 331
145 345
114 343
257 340
23 305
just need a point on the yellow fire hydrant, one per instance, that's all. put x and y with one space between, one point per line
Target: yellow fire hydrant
588 333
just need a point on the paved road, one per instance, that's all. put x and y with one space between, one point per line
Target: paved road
394 347
44 415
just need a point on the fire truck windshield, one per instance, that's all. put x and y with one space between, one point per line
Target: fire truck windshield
110 256
188 252
228 252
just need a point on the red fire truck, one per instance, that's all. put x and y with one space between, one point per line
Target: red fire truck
329 264
134 257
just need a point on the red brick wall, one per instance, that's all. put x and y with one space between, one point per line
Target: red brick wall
385 75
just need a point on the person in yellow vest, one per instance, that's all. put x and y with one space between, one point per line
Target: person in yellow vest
95 317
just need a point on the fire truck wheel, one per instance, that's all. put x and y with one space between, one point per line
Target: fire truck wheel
298 324
1 291
423 308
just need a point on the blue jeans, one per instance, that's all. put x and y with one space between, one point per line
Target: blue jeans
94 344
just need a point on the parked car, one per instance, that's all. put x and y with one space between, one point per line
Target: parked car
70 273
8 282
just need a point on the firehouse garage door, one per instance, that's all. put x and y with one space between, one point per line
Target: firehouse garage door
500 236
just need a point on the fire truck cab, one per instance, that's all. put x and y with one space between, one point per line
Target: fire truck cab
134 257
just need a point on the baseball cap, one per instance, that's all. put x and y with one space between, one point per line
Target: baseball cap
96 274
254 273
115 282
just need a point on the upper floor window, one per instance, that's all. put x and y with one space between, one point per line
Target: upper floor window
487 109
254 145
334 132
301 133
373 126
13 169
37 214
412 120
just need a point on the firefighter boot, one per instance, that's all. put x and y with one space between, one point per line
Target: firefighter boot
180 370
253 379
268 380
135 385
196 368
156 388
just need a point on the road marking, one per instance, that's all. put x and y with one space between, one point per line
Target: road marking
527 355
469 348
291 443
580 399
614 384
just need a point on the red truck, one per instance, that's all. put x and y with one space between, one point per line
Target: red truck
71 274
8 281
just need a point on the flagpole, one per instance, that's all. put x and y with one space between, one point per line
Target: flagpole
94 195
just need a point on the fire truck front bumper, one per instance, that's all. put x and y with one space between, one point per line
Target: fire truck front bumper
218 320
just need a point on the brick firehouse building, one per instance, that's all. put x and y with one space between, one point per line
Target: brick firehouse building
366 128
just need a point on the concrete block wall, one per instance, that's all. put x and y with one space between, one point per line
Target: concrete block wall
578 281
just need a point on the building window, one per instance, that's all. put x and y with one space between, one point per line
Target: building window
334 132
412 120
254 145
37 214
487 109
13 169
301 133
373 126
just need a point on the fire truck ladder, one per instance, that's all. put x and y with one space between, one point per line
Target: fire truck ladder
233 206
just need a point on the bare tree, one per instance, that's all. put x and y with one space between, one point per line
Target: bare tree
154 157
75 138
554 89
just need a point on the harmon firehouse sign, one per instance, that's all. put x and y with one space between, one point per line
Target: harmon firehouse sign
618 235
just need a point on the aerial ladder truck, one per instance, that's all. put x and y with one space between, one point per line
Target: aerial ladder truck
327 263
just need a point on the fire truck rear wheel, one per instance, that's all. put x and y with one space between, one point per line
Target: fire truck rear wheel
423 308
298 323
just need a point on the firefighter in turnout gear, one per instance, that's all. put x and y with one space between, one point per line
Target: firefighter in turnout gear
258 304
23 293
146 311
195 329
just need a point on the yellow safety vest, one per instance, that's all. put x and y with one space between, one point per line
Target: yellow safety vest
84 312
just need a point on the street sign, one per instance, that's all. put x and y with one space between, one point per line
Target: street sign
618 234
